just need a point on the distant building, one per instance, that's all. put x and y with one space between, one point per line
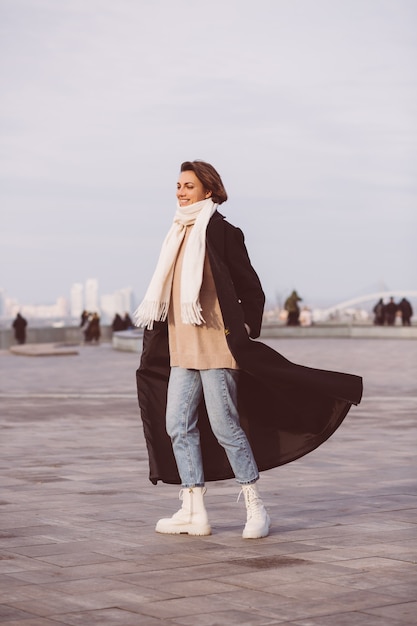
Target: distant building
62 307
126 300
56 311
91 295
77 300
108 307
118 302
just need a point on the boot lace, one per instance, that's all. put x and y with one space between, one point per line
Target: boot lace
253 502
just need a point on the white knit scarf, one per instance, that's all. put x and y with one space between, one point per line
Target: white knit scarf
157 298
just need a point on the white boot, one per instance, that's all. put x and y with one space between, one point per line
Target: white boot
257 521
191 519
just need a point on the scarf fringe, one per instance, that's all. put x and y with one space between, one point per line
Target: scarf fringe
191 313
154 307
149 312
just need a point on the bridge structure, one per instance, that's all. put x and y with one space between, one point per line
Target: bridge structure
370 297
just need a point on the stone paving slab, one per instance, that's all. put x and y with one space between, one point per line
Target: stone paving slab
77 511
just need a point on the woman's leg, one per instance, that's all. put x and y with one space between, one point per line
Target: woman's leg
184 396
220 395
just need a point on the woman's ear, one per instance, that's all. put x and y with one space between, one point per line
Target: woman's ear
208 194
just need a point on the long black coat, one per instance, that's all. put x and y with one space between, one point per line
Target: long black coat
286 410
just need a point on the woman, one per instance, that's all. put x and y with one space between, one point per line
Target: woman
231 406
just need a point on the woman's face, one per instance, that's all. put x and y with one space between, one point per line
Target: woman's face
190 189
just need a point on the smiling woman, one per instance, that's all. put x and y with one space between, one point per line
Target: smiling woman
190 189
202 366
215 404
199 180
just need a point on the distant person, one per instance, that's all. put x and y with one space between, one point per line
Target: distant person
127 322
390 312
19 325
93 329
406 311
117 323
379 313
85 316
291 306
306 318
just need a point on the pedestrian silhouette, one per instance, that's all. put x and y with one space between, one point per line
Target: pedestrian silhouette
406 311
291 305
379 312
19 325
390 312
117 323
85 316
127 322
92 334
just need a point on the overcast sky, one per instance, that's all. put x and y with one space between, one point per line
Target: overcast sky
307 108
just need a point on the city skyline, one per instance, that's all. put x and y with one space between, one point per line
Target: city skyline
82 296
124 300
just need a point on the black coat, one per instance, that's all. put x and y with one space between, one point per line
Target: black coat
286 410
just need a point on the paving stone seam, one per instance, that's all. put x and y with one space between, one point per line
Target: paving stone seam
69 395
130 395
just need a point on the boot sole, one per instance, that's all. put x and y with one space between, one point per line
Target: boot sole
260 535
185 530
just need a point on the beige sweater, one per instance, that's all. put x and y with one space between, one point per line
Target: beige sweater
198 347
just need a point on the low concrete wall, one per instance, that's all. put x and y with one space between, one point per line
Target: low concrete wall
350 331
128 340
131 340
66 334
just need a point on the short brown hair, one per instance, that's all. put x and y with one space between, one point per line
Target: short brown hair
209 178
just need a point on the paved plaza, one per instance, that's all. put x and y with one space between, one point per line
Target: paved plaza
78 512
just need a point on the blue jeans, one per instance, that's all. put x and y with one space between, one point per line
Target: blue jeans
219 387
